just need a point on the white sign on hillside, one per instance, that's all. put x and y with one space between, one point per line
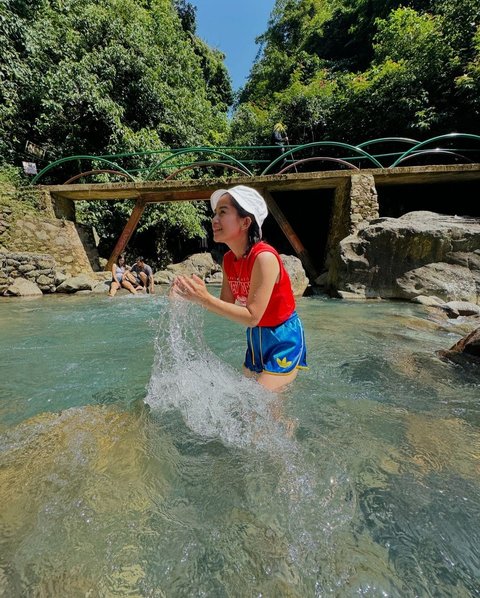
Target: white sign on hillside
29 167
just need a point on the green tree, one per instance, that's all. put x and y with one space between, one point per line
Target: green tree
356 69
89 77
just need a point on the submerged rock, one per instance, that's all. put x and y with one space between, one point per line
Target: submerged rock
70 481
466 350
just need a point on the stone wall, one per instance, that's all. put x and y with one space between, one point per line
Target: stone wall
363 200
36 268
28 225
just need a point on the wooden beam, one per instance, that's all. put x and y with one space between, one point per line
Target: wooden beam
127 232
291 235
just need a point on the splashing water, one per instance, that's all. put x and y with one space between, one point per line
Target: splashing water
217 402
214 400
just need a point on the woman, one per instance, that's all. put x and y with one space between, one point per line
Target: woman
118 277
256 289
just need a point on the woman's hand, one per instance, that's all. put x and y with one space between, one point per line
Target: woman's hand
191 288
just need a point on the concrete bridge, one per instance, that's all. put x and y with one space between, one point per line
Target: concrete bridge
329 204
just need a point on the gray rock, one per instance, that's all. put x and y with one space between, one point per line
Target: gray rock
201 264
446 281
82 282
295 270
456 309
431 301
24 268
101 287
23 288
60 277
421 253
163 277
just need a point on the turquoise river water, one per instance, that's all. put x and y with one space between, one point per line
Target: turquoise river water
136 461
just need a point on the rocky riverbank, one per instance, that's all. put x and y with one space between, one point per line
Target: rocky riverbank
27 274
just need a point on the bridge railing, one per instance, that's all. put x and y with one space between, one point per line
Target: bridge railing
198 162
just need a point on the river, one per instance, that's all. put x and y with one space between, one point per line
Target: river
135 460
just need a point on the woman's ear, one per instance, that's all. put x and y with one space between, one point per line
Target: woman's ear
247 221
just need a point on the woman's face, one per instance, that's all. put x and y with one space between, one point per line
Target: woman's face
227 225
121 261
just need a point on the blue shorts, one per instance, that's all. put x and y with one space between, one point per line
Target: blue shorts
276 349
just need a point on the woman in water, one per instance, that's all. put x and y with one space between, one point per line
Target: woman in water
256 289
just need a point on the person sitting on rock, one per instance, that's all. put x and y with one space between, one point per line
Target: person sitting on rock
141 275
119 279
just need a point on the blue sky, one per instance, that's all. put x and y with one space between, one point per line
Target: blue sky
232 26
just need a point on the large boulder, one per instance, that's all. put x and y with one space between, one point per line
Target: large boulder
420 253
201 264
82 282
445 281
295 270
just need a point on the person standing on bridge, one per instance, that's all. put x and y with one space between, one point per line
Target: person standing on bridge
256 289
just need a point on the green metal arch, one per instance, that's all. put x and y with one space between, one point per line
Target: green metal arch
193 150
357 151
387 139
434 152
194 165
317 159
431 140
100 171
299 148
70 159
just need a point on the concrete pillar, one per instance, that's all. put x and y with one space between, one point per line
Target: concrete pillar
355 203
340 222
363 200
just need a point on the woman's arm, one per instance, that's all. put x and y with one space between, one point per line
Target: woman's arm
114 274
264 275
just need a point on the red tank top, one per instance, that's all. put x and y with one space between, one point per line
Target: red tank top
239 273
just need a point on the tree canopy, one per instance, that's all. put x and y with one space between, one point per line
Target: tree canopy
90 78
352 70
81 76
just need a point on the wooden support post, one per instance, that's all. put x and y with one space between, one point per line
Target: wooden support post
291 235
127 231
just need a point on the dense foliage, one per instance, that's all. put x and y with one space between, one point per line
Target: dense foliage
352 70
89 77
